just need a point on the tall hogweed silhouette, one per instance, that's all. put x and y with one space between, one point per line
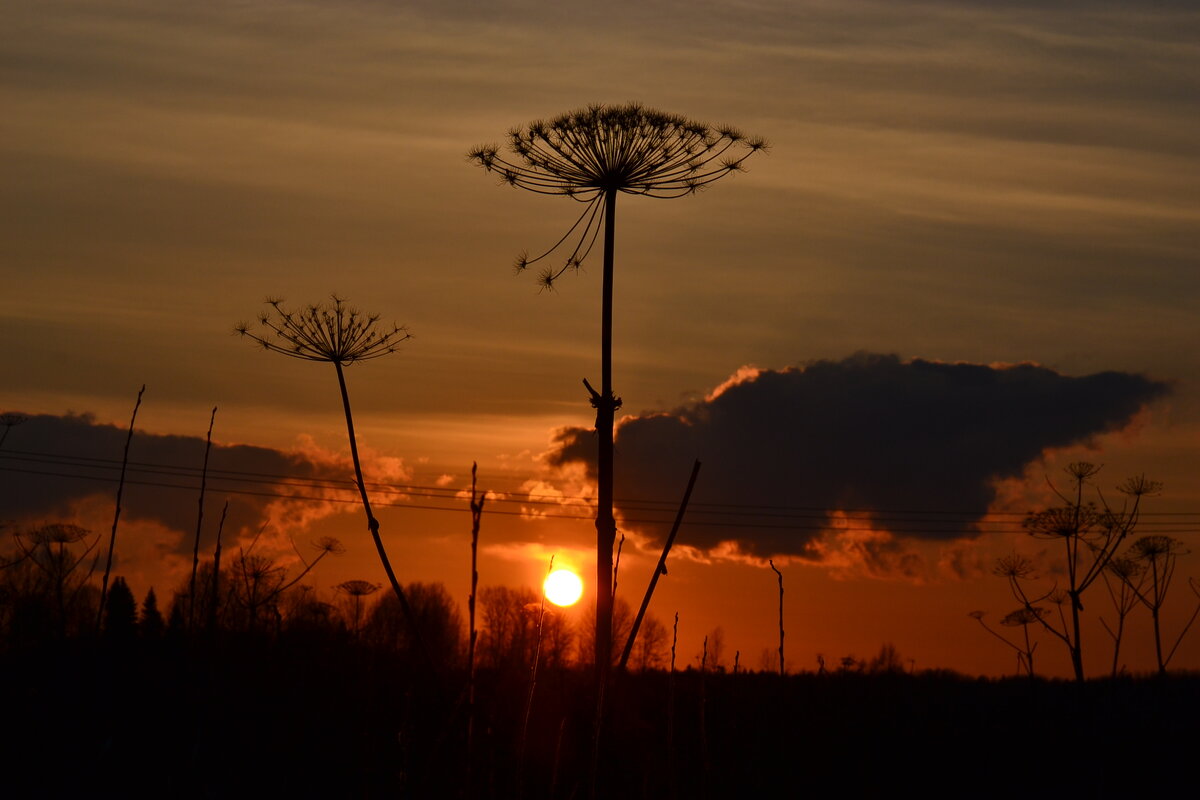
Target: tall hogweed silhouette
591 156
338 334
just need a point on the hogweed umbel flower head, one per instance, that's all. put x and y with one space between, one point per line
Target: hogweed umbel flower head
604 149
333 332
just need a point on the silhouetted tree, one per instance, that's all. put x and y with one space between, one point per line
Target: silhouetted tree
151 624
887 661
437 618
650 648
177 620
591 156
303 612
509 636
622 624
120 613
716 649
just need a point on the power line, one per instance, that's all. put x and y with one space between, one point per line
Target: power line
756 509
809 520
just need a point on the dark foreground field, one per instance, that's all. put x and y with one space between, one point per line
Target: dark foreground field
296 718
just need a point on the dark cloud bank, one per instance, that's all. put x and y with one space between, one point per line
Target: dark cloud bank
868 432
48 462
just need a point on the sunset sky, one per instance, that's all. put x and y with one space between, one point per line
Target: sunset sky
969 258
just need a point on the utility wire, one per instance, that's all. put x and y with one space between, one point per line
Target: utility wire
800 518
516 496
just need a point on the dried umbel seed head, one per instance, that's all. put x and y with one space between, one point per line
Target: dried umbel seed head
1139 486
1124 568
1023 616
1082 470
58 534
328 544
604 149
357 588
1013 566
1148 548
333 332
626 148
1063 521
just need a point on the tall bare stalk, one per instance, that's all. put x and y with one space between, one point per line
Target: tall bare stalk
704 708
782 668
477 501
671 706
215 597
533 672
112 539
660 568
199 522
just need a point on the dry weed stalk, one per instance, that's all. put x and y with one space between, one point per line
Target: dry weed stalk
472 634
533 674
112 540
200 521
779 575
660 568
214 600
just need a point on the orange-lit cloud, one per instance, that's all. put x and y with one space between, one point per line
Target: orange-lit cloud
274 496
843 461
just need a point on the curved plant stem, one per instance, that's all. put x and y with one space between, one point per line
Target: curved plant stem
372 523
112 539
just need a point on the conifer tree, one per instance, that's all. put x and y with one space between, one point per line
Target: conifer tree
151 624
120 612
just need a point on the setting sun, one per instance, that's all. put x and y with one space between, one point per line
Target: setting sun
563 587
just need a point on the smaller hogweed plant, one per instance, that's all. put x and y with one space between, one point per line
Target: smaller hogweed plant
1089 533
338 334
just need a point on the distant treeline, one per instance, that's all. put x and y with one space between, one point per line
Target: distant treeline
259 687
